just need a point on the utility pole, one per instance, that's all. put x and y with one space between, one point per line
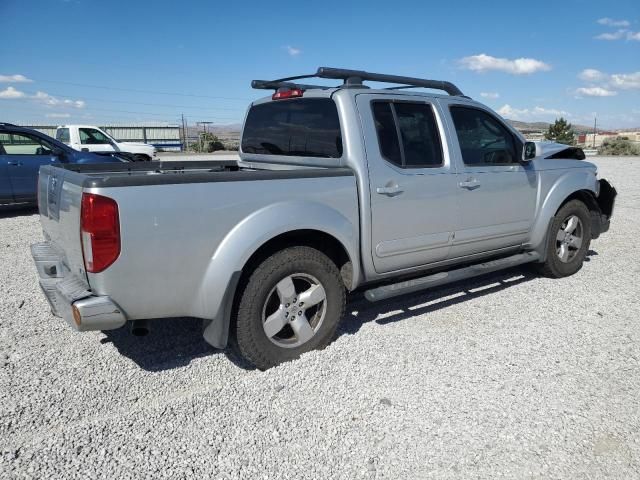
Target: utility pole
185 145
204 129
595 123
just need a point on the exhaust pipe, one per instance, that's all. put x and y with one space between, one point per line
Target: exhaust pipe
139 328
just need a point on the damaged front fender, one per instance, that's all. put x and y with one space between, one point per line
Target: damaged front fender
606 197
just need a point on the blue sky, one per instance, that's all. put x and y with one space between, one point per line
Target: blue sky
72 61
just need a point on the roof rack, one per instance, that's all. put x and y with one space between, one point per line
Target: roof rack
354 79
277 84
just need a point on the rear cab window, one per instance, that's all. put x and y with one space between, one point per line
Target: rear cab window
304 127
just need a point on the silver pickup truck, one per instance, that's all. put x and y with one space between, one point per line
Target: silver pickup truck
387 190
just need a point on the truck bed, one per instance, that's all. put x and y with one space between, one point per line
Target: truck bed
163 173
174 219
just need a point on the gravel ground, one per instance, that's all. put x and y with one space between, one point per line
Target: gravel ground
510 376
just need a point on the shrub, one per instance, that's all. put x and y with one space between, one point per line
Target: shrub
619 146
207 143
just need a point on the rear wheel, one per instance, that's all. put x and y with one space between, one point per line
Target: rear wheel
141 157
568 241
291 304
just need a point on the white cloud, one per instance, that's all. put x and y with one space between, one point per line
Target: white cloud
518 66
626 81
610 22
492 95
535 113
617 35
549 111
592 75
606 85
617 80
508 111
293 51
620 33
14 79
58 115
11 93
54 101
595 92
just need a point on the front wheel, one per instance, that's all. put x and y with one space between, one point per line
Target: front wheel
568 241
291 304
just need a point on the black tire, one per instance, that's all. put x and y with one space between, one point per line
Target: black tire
261 296
141 157
554 266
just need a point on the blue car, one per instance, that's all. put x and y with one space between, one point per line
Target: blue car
23 151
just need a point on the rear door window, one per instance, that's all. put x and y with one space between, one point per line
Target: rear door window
408 134
62 135
387 132
307 127
24 144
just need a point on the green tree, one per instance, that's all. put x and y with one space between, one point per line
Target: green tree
561 132
619 146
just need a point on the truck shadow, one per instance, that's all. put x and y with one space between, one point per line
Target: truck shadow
176 342
171 343
361 311
19 211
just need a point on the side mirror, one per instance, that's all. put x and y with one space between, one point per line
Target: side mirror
59 153
529 151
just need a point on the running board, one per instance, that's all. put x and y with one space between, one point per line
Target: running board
442 278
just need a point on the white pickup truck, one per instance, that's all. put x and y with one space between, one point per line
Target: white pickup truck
88 138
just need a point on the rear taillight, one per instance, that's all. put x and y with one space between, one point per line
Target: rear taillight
283 93
99 231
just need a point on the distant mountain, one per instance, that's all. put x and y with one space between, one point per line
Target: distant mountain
231 132
542 126
232 128
528 125
228 134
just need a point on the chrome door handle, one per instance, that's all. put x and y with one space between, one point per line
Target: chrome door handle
391 191
470 184
14 164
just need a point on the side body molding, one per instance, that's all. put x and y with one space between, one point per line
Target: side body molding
212 300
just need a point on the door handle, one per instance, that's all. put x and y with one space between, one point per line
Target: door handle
389 190
470 184
14 164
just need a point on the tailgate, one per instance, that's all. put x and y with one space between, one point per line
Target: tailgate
59 200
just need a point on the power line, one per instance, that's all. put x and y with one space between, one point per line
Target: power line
135 103
154 113
79 113
145 91
134 112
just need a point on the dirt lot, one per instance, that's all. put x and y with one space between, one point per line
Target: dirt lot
509 375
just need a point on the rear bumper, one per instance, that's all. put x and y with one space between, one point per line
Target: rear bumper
70 296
